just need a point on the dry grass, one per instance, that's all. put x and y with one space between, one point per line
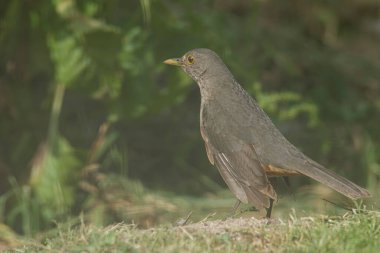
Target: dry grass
352 232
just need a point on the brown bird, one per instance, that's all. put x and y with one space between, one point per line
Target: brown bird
241 140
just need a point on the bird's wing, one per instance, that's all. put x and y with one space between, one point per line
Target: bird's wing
239 166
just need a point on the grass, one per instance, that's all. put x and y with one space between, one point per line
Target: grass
351 232
155 218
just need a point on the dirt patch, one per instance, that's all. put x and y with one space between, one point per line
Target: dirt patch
231 224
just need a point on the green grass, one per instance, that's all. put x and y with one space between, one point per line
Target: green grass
351 232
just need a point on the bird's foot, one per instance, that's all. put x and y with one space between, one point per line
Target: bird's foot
184 221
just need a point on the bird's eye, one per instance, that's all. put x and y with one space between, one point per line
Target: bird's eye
190 59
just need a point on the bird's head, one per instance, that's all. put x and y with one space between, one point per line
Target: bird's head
198 63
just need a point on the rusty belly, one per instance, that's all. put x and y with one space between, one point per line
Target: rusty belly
273 171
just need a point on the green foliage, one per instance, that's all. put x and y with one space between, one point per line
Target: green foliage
54 179
25 213
274 104
371 161
68 58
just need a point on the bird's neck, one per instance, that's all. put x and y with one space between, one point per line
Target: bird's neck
216 87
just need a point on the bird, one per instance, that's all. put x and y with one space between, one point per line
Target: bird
242 141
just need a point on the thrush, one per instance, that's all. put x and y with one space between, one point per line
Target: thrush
241 140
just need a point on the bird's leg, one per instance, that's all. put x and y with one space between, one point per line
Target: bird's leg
233 211
289 186
236 206
286 181
269 210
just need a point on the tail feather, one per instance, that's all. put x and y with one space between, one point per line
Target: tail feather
333 180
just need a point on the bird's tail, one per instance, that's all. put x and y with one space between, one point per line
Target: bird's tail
333 180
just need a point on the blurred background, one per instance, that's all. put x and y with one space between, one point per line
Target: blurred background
93 125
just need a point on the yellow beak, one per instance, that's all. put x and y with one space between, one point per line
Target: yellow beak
174 61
